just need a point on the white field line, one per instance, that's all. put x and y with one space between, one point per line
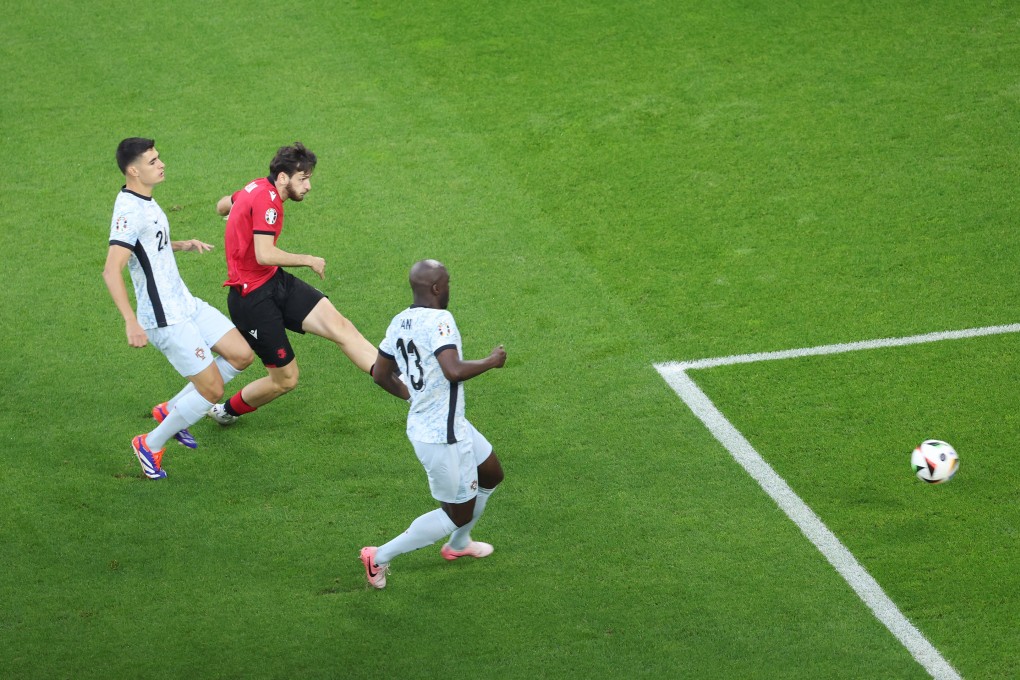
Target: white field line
866 587
838 349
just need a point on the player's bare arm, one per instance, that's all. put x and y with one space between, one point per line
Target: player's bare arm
458 370
191 244
268 254
385 376
113 274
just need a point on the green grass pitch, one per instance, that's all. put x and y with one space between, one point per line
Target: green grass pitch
611 185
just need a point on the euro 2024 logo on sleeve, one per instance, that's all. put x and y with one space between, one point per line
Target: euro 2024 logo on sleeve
271 216
444 329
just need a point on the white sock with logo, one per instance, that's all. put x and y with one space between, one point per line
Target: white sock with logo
462 536
189 410
424 530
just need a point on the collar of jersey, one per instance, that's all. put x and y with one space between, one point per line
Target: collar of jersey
128 191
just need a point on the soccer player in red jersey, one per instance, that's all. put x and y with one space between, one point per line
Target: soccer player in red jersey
265 301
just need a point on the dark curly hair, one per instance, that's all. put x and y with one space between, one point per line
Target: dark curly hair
292 160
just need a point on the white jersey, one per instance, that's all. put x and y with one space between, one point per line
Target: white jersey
141 226
413 339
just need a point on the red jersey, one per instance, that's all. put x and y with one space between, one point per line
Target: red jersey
256 209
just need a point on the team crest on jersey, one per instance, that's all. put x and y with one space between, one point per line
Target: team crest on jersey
200 353
271 216
444 329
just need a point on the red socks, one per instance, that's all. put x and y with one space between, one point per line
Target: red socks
236 406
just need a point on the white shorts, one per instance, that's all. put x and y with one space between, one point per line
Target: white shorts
452 469
188 345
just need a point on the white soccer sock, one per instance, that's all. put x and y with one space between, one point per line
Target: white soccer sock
227 372
424 530
188 389
189 410
462 536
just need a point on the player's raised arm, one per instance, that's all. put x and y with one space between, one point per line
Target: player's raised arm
458 370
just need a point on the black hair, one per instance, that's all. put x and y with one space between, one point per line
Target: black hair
291 160
130 149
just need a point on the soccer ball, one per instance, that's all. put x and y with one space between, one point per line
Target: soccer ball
935 461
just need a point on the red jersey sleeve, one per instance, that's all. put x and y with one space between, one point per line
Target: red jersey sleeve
257 209
267 213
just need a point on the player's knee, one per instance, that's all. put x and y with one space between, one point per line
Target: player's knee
285 383
493 479
459 513
243 360
490 472
212 392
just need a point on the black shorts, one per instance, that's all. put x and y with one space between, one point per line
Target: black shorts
266 314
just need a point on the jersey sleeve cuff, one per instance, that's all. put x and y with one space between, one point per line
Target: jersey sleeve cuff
444 347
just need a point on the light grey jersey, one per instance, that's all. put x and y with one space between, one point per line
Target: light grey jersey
413 339
141 226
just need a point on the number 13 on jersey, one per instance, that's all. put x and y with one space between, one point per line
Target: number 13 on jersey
406 351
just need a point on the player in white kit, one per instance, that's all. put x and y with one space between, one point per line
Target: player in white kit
423 343
184 328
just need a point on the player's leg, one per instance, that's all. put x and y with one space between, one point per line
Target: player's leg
324 320
234 356
233 349
190 408
279 382
260 323
185 348
255 394
452 483
424 530
490 474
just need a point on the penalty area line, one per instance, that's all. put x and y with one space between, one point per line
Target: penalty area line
839 348
799 512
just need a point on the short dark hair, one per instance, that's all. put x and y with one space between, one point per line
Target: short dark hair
292 160
130 149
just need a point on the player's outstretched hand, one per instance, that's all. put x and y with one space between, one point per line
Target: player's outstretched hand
195 245
499 355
